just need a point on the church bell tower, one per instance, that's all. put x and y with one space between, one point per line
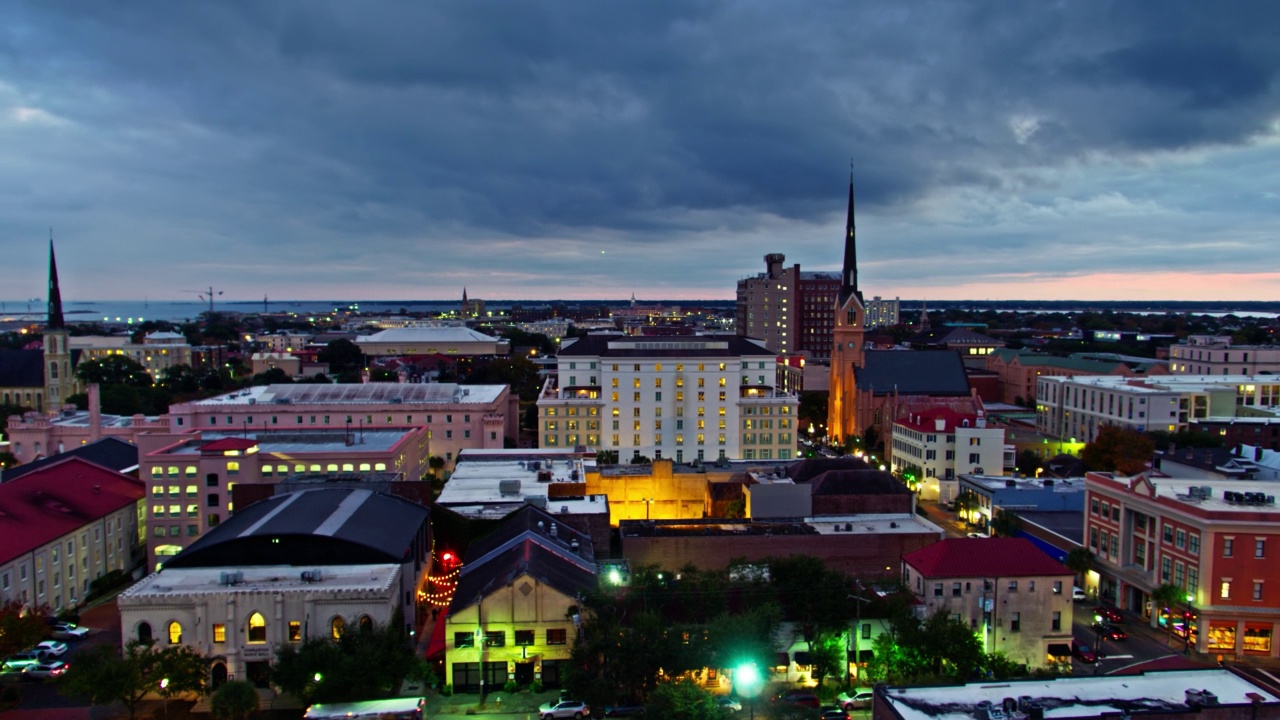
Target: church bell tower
846 339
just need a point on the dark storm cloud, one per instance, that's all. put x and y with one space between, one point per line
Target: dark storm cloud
339 131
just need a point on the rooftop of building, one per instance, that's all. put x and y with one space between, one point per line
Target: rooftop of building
109 452
1223 461
358 394
863 524
1083 366
286 442
59 499
1008 482
322 526
954 335
428 334
916 372
1247 496
693 346
1066 523
926 421
173 582
81 418
539 527
1166 383
1079 697
983 557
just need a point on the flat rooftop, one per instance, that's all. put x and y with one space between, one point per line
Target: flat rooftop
1179 490
311 441
1000 482
1077 697
358 394
80 418
428 334
871 524
263 578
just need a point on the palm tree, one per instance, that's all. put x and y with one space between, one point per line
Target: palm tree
1079 561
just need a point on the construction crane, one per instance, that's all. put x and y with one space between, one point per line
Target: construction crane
207 295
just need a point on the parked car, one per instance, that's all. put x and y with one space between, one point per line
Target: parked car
1107 631
575 709
799 697
732 704
1103 613
975 535
44 670
51 648
1078 594
833 712
621 711
18 661
69 631
855 698
1083 652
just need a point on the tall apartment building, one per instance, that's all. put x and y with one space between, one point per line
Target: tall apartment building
684 398
1215 355
1077 407
882 313
792 311
1217 541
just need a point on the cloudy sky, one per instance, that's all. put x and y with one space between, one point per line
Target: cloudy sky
588 149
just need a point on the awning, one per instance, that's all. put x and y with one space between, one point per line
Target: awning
437 644
1059 650
802 658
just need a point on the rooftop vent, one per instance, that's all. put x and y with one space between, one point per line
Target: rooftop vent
230 578
312 576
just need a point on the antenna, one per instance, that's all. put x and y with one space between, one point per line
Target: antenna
264 304
208 295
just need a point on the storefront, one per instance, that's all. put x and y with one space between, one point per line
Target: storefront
1257 638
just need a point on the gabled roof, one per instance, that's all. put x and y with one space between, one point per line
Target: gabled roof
523 558
22 368
995 557
326 526
109 452
926 421
59 499
918 372
536 525
953 336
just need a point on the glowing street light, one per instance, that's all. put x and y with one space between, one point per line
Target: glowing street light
746 680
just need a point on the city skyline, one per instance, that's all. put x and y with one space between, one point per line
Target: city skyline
573 151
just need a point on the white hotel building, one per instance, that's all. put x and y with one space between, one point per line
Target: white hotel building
1076 407
682 398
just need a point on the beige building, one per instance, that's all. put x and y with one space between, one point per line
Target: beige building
157 352
64 526
1216 355
431 341
511 618
1014 596
792 311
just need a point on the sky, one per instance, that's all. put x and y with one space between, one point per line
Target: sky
580 149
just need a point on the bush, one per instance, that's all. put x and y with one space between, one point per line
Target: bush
446 690
511 687
536 686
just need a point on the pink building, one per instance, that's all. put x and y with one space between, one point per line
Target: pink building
190 476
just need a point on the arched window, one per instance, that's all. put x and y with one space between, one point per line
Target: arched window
144 632
337 626
53 371
175 633
366 623
257 628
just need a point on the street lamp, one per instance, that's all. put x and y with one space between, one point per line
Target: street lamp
164 686
746 680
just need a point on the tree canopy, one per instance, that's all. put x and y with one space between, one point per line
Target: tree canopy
362 664
20 628
103 674
113 370
235 700
1118 449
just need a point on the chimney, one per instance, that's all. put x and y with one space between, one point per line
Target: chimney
95 413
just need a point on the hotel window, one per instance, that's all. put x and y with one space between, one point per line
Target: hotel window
1181 541
1257 589
1227 544
1259 548
1193 544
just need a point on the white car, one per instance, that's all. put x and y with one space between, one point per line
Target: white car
44 670
854 699
575 709
51 648
1078 595
731 704
69 631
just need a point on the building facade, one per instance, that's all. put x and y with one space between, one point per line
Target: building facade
431 341
1017 598
847 340
687 399
936 446
790 310
1216 541
64 526
157 352
1216 355
883 313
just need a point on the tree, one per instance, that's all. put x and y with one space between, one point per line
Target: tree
1118 449
342 355
235 700
1006 523
966 502
1168 596
180 379
1028 462
1079 561
113 370
354 667
272 376
684 700
104 675
20 628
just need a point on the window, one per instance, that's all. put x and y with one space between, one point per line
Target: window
1257 589
524 637
1166 565
464 640
557 636
1259 548
1057 587
1181 541
937 589
219 633
495 639
1193 544
974 458
337 626
1115 513
212 500
1015 622
955 589
1227 546
1013 586
1168 534
1093 506
175 633
257 629
1057 621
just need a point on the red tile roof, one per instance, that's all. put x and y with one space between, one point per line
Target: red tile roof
225 444
925 421
58 499
983 557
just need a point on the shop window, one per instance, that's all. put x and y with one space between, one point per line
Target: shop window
1222 637
1257 640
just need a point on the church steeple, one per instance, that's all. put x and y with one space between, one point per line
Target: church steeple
55 321
849 274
